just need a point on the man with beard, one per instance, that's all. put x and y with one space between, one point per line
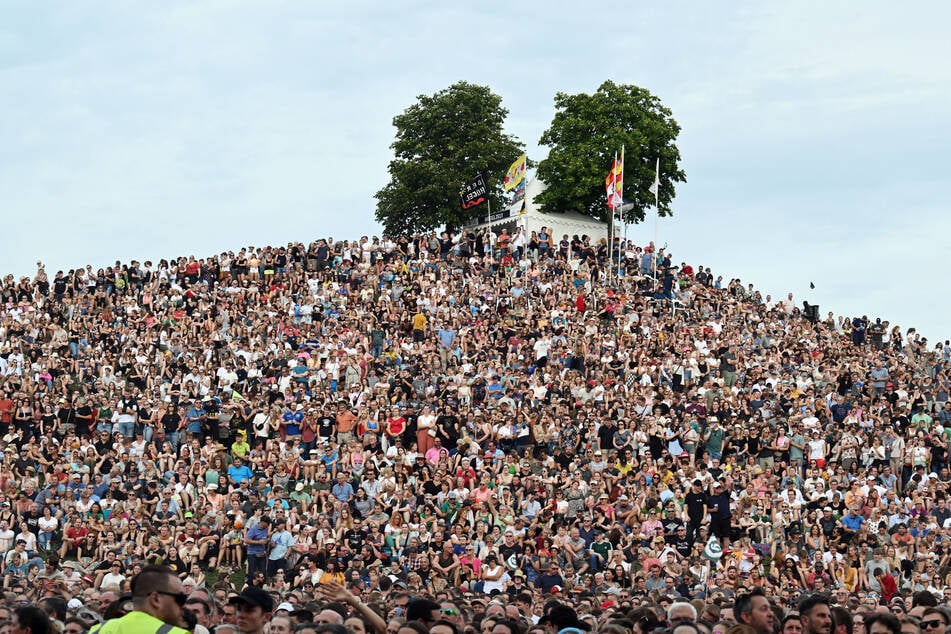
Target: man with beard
815 614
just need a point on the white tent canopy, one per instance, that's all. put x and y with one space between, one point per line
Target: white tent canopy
559 224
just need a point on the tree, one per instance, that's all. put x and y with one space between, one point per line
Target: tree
442 141
584 135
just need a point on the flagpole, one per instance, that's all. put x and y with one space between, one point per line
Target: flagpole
611 222
656 186
622 213
523 218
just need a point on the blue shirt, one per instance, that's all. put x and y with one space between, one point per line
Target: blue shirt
853 523
292 421
256 532
343 491
446 336
239 474
194 421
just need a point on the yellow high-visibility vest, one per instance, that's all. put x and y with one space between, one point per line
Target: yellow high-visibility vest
136 622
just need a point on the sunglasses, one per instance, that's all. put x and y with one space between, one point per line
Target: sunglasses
179 597
449 612
932 624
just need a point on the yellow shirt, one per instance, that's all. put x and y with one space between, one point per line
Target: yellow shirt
136 622
419 321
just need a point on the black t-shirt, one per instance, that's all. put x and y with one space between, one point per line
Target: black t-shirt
683 546
31 519
354 539
671 524
325 426
696 505
22 463
171 421
508 551
106 465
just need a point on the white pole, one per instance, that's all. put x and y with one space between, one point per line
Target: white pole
656 216
611 206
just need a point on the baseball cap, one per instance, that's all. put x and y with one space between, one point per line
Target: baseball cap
254 597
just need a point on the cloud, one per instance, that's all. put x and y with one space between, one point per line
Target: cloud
814 134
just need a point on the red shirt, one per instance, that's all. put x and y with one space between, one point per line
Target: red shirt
75 535
6 411
889 587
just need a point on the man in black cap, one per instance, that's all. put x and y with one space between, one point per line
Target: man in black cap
560 618
254 607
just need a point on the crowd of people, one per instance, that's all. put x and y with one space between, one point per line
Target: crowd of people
473 432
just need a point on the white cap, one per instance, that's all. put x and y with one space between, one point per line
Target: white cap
74 604
285 606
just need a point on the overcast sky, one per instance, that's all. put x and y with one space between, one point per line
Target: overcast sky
815 134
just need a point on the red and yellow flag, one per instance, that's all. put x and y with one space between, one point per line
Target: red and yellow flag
515 174
614 183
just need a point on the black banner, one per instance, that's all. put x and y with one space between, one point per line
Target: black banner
481 220
474 193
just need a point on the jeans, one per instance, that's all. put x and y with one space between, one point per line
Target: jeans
127 430
257 563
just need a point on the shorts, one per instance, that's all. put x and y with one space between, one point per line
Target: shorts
720 527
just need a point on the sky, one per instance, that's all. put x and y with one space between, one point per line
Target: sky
815 134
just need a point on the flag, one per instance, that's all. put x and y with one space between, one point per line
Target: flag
515 174
655 186
712 550
474 193
521 212
237 397
519 192
614 183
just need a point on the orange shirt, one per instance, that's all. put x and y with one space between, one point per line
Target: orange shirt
346 421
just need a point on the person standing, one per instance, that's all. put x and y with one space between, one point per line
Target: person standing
157 599
445 337
281 542
256 539
695 503
721 514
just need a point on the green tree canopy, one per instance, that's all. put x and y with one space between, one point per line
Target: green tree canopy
584 135
442 141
